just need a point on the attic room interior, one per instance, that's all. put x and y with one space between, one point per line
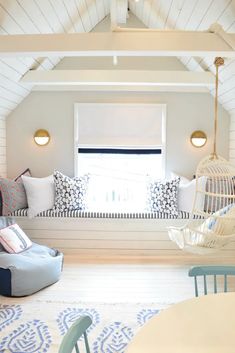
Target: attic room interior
117 176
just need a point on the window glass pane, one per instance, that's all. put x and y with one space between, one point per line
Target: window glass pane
119 181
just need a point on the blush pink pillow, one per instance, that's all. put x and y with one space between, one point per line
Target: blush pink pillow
13 195
13 239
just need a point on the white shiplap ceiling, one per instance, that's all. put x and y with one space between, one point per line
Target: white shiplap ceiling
62 16
196 15
34 17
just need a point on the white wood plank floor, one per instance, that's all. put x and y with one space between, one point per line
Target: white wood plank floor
125 282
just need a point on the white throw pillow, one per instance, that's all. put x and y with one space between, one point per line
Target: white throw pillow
40 194
186 195
183 180
13 239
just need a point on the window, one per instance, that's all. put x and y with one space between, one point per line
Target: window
121 146
119 177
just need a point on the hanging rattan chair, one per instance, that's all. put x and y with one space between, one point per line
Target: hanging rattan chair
211 225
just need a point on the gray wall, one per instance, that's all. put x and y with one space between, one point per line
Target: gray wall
54 111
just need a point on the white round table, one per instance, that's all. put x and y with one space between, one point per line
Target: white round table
201 325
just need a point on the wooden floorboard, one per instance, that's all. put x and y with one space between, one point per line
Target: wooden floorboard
120 281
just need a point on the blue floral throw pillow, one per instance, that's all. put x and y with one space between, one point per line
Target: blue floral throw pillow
70 193
163 196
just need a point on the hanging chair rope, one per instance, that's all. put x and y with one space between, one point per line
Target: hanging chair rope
218 62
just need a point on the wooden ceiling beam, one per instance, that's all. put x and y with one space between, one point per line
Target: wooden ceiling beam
119 77
146 43
121 88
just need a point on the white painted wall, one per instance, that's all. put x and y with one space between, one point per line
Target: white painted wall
54 111
124 63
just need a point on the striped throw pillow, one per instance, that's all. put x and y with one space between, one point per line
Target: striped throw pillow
13 239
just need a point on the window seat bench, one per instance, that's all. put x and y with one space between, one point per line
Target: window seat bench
101 214
99 235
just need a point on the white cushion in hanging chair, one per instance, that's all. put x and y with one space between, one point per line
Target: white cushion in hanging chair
194 241
184 238
212 234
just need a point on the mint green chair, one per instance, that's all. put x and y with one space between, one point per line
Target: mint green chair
204 271
74 333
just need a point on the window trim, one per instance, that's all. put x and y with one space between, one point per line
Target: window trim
76 129
119 150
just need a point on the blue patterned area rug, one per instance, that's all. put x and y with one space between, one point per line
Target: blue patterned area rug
30 326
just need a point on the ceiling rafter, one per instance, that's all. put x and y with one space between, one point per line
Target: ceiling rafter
122 42
119 77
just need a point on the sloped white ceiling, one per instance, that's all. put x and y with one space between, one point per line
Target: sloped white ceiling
34 17
196 15
57 16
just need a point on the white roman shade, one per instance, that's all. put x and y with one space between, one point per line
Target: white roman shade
119 125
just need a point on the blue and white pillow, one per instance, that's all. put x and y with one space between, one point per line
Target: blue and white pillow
222 221
70 193
163 196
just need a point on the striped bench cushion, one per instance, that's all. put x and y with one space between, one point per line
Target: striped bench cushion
96 214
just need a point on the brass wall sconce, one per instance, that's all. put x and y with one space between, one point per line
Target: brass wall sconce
42 137
198 138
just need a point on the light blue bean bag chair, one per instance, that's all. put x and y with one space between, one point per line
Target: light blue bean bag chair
29 271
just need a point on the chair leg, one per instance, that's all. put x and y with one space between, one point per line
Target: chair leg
205 285
76 348
215 284
86 343
196 287
225 283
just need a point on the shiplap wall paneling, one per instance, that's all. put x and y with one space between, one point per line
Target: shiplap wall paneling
115 237
48 13
232 140
73 12
3 170
84 13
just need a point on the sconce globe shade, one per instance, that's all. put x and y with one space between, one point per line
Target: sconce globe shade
42 137
198 138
